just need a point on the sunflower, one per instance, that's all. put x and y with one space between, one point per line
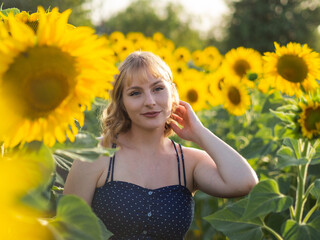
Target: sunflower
30 19
135 37
238 62
292 69
122 49
179 68
215 81
213 58
146 45
21 172
198 58
166 55
182 54
116 37
310 119
159 39
194 92
22 222
236 97
48 78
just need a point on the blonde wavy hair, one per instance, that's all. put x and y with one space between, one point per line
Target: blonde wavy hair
114 119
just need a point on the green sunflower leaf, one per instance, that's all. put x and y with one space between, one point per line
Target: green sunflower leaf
85 154
82 139
229 221
8 10
315 191
287 157
264 198
284 116
75 220
85 148
295 231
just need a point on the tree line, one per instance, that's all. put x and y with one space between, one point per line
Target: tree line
250 23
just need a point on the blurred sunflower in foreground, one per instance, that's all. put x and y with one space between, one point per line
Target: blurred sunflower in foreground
49 77
292 69
20 173
25 17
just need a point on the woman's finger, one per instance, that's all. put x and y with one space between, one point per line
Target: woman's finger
177 118
175 128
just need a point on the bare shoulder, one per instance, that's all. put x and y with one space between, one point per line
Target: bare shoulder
83 178
194 154
90 167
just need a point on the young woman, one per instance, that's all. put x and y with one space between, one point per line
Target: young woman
145 191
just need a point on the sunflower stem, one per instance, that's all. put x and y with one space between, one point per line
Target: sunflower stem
300 201
312 210
272 231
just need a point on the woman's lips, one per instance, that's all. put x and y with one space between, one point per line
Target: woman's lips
151 114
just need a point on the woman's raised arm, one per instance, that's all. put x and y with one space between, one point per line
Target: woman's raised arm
219 169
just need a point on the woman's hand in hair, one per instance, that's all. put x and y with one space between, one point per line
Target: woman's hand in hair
189 122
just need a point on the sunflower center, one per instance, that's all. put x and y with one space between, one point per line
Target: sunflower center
46 91
192 95
234 95
312 118
40 79
241 67
292 68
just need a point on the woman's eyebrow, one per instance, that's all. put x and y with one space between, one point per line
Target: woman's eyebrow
155 83
137 87
133 87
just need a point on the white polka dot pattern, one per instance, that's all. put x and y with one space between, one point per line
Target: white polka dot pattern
133 212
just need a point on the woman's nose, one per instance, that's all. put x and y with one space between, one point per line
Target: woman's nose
149 100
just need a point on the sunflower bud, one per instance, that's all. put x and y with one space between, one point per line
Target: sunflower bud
252 76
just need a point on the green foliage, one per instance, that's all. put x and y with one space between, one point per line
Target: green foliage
8 10
78 17
85 148
229 221
266 198
75 220
294 230
141 16
258 23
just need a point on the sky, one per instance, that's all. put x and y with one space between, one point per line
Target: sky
207 13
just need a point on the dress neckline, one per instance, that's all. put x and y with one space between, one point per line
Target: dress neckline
148 189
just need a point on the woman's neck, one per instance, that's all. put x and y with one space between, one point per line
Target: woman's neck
149 142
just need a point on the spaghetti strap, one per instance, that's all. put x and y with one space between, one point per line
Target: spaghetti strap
178 160
111 165
184 172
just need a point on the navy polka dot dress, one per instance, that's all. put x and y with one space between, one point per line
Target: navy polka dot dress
133 212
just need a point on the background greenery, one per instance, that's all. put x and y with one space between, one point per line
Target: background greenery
250 23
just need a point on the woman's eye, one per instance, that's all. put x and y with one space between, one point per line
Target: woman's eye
157 89
134 93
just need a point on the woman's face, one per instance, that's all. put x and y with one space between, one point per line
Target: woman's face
148 103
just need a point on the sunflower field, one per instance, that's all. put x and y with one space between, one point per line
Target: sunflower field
54 81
